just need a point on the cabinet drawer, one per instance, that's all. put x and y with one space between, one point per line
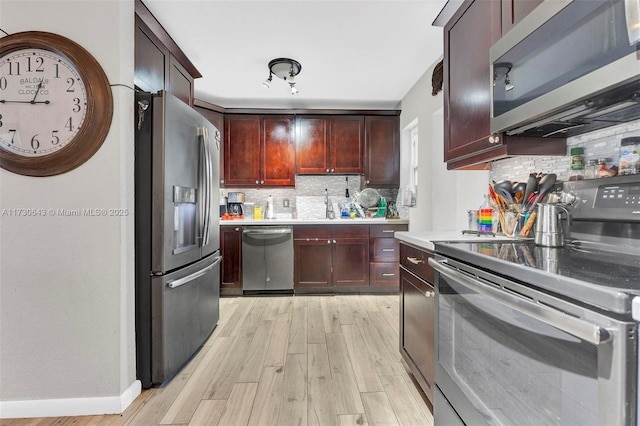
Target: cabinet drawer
385 231
384 250
350 231
311 232
416 261
384 274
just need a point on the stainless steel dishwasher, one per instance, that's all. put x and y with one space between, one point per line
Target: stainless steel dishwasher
267 259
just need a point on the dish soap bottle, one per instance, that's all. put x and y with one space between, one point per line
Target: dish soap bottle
485 216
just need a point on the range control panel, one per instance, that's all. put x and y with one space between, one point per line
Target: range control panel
609 199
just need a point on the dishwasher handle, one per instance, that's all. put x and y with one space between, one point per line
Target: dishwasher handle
275 231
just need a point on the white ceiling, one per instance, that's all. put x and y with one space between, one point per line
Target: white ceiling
355 54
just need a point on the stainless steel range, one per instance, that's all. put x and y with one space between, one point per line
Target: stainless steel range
539 335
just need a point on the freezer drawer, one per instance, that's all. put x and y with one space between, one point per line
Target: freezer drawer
184 312
267 258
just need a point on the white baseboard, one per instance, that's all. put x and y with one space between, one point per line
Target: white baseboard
70 406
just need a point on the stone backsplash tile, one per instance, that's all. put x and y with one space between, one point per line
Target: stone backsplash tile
309 188
604 143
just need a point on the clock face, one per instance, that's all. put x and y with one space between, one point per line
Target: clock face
43 102
56 104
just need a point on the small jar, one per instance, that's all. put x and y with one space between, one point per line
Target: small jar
576 169
603 170
629 156
590 170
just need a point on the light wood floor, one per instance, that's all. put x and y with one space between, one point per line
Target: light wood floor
293 360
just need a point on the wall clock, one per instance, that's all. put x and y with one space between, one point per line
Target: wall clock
56 104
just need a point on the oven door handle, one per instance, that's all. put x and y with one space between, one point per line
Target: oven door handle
584 330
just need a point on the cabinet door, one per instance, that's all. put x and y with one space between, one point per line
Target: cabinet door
241 150
513 11
467 79
149 63
417 314
277 154
231 250
382 151
347 144
180 82
312 144
350 262
312 263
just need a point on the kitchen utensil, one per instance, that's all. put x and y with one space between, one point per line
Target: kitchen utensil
369 197
544 186
519 186
531 186
503 185
548 229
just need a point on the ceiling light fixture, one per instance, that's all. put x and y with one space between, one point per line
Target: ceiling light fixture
285 69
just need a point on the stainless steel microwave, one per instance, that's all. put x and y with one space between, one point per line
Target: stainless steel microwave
569 67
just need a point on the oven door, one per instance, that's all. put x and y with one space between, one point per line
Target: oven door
510 355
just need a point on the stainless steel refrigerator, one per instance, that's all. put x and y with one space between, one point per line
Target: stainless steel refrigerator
177 234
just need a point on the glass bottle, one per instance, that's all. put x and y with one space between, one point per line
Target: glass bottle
576 170
590 170
485 216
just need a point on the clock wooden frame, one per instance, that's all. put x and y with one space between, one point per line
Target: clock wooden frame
99 108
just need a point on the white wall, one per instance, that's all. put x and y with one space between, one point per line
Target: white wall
67 343
443 196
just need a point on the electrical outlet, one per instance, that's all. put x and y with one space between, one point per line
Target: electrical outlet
285 202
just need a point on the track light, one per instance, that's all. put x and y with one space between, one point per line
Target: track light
267 82
286 69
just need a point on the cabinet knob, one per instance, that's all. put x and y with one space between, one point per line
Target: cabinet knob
327 170
333 170
334 241
237 229
368 182
328 241
262 182
430 294
257 182
494 139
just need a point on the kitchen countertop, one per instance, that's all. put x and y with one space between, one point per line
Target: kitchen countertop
288 221
425 239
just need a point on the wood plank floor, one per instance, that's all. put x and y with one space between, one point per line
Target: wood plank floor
290 360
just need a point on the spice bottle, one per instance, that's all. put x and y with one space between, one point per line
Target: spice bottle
629 156
590 170
576 170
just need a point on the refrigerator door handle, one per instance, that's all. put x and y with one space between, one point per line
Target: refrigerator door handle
195 275
204 188
208 185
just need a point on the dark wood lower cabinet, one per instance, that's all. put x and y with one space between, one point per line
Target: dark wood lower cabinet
231 251
328 257
417 316
312 263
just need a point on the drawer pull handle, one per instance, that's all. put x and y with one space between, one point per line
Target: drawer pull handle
386 231
414 260
388 275
388 249
430 294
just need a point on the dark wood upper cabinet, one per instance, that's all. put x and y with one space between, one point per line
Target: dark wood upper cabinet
312 144
330 144
159 63
278 159
242 150
347 144
258 150
513 11
382 151
468 141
